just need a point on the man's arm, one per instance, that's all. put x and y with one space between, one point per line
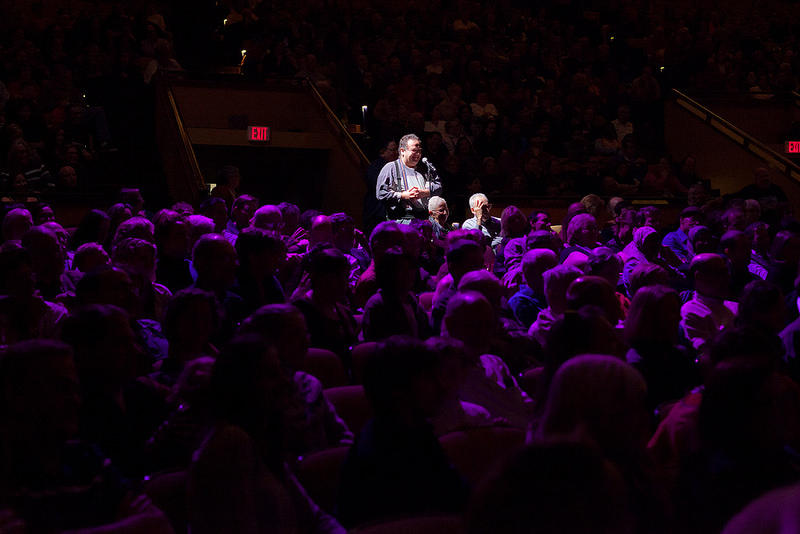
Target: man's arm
385 192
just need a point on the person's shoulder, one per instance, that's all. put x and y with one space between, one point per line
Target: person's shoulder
470 224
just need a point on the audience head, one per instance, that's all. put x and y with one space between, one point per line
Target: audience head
192 315
106 355
701 240
594 291
625 226
470 318
583 231
215 209
786 247
267 217
556 282
137 227
330 271
654 317
550 486
539 220
762 305
93 228
487 284
464 256
437 208
604 396
90 256
285 327
171 233
479 201
401 378
242 211
513 223
605 263
16 224
260 253
215 260
396 272
689 218
386 235
649 216
199 225
534 264
47 253
711 275
290 217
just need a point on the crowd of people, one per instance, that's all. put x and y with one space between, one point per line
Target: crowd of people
651 367
661 362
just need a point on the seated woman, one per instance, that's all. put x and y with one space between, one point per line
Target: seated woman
652 330
397 466
582 236
330 322
394 309
238 482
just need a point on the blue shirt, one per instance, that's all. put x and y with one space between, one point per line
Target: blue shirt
678 242
526 305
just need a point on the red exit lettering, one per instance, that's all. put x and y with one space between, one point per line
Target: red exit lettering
258 133
793 147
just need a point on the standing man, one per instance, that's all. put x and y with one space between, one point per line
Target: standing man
402 188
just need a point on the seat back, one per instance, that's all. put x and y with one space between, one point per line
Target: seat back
475 451
319 473
352 406
327 367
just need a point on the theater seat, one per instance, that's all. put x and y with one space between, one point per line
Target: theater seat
167 490
319 472
360 353
326 366
441 524
531 381
352 406
475 451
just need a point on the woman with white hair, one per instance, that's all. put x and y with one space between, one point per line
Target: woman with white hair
582 236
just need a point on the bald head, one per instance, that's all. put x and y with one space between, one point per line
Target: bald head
16 224
267 218
485 283
711 275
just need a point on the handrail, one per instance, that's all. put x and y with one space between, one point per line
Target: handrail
188 150
363 160
779 162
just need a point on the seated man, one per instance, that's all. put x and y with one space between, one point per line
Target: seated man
708 312
482 219
52 482
678 241
530 299
556 283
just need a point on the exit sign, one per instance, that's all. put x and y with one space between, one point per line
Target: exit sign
258 133
793 147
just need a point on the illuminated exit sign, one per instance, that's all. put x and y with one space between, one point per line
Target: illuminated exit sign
793 147
258 133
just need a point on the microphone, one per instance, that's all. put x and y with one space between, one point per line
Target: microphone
429 164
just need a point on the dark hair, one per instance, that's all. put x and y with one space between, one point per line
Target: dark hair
180 303
339 220
307 218
325 259
88 231
392 367
755 301
252 241
386 267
